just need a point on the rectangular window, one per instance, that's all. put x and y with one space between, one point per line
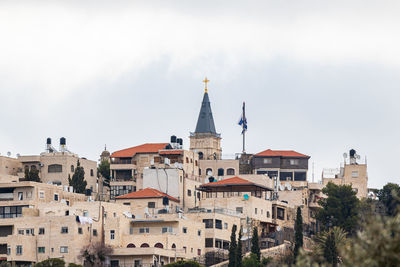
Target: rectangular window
55 197
21 231
164 230
239 209
189 193
151 205
63 249
280 214
41 194
8 250
199 232
198 252
225 225
94 232
64 230
354 174
112 234
294 162
80 231
209 223
184 230
255 211
41 249
218 224
20 196
267 161
209 242
144 230
19 250
85 213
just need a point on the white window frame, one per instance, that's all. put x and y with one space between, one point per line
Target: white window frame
19 250
63 249
294 162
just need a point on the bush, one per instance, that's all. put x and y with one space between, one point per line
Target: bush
184 264
74 265
51 263
251 261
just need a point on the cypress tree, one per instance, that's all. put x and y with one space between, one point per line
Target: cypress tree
78 179
298 238
232 248
330 250
255 246
239 254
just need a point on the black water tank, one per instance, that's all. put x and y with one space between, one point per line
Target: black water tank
352 153
63 141
173 139
180 141
48 142
211 179
165 201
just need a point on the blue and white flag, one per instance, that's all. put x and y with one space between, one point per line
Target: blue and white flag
243 121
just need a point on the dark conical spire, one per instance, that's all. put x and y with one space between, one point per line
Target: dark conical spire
205 122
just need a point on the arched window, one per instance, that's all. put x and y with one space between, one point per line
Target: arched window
209 171
72 168
130 245
173 245
201 155
54 168
230 171
158 245
144 245
220 172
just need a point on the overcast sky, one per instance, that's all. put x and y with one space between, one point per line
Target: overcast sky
318 77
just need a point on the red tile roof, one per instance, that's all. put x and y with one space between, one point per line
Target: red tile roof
281 153
171 152
146 193
230 181
145 148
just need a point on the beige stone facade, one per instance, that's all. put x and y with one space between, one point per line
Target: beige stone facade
206 145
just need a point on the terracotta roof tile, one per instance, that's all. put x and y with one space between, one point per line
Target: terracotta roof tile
171 152
281 153
229 181
146 193
145 148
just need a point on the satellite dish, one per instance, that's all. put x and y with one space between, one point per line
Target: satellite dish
246 196
288 186
281 187
209 173
344 155
176 165
278 228
8 153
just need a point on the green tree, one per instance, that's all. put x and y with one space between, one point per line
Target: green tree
104 170
298 228
78 179
74 265
51 263
251 261
327 243
330 250
232 248
255 245
187 263
377 245
32 175
95 254
340 208
239 250
389 197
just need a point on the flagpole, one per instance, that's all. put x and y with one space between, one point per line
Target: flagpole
243 129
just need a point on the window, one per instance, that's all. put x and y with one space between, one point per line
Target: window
267 161
184 248
55 197
41 249
126 203
218 224
41 194
209 223
255 211
268 214
220 172
144 230
41 231
63 249
72 168
94 232
137 263
225 225
19 250
354 174
198 252
187 160
8 250
239 209
189 193
294 162
280 214
300 176
112 234
54 168
230 171
91 172
151 205
85 213
64 230
286 176
209 171
20 196
184 230
30 231
80 231
201 155
67 213
195 163
209 242
21 231
198 195
199 232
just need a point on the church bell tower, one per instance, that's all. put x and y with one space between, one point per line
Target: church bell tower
205 140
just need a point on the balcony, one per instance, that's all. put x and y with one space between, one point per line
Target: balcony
215 210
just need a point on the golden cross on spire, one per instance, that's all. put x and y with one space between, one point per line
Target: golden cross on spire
206 81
